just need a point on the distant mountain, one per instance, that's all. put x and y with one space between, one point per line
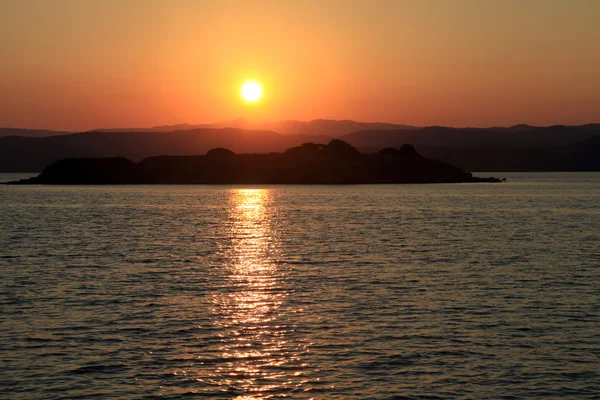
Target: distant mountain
590 127
164 128
26 154
316 127
30 132
369 134
517 148
580 156
519 136
329 127
326 127
515 128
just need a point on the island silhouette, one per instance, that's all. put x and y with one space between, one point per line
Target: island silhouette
310 163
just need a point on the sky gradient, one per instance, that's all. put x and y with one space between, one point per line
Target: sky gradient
78 65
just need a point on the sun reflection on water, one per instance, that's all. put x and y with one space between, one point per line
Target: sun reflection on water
257 357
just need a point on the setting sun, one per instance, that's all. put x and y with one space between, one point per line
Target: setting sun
251 91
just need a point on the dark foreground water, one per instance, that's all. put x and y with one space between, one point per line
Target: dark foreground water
349 292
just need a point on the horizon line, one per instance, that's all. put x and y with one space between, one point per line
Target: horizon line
205 125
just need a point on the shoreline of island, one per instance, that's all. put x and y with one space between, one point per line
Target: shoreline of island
335 163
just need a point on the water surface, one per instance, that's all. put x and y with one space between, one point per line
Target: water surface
349 292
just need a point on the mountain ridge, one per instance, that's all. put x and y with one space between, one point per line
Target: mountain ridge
537 148
328 127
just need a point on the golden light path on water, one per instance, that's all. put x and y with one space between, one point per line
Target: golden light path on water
258 360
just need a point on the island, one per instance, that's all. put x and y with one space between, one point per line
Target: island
334 163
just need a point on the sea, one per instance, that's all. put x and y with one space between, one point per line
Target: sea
438 291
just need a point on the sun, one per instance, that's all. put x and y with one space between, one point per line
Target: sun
251 91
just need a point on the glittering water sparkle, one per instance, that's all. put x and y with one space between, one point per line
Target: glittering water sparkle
349 292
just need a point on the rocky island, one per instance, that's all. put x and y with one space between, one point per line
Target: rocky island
335 163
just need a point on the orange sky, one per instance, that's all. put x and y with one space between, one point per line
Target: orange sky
82 64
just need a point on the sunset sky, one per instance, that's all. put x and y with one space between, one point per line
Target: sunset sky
83 64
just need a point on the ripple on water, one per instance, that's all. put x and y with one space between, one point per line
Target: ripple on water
417 291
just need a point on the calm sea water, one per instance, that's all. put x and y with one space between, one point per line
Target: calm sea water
338 292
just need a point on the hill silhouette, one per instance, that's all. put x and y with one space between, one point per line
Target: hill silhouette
519 136
580 156
20 154
332 128
327 127
335 163
30 132
517 148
